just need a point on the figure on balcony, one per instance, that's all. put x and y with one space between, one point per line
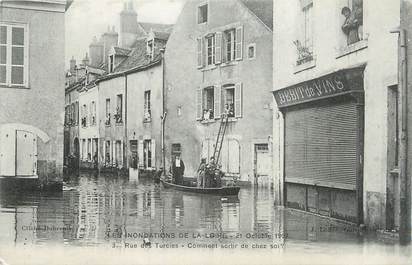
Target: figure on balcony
351 25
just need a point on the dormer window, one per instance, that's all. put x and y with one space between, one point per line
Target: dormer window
202 12
150 49
111 63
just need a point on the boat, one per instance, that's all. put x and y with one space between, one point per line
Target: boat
222 191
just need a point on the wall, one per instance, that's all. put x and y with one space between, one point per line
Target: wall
137 83
380 72
183 78
42 104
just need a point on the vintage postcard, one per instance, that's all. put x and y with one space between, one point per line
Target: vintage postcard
205 132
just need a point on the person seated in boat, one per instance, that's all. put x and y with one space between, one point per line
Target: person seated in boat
201 173
178 170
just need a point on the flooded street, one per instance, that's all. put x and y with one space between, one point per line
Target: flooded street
111 212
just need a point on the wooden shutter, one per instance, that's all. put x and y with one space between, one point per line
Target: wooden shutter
7 152
153 153
199 52
199 104
239 43
217 98
140 153
238 100
218 48
321 146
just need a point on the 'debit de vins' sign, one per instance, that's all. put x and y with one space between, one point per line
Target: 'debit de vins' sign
322 87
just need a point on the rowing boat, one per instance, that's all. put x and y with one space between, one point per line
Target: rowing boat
222 191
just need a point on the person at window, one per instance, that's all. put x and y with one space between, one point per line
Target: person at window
95 160
206 115
229 110
210 114
107 159
201 173
178 170
350 26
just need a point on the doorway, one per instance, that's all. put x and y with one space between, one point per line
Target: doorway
262 165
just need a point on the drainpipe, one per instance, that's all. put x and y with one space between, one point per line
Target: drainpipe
164 113
405 185
125 144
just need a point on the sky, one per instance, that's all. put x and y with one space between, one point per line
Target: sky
88 18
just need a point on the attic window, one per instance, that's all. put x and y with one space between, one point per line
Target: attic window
150 49
111 63
202 14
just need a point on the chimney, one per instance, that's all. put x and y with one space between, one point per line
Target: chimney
129 29
96 52
85 60
109 39
72 65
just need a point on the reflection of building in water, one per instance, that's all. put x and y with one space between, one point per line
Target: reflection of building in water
263 210
230 215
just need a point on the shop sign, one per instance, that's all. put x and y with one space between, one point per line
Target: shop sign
323 87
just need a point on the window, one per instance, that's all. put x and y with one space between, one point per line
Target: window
84 115
210 49
251 51
202 12
230 38
147 111
208 104
229 100
352 26
150 49
179 111
147 153
13 55
107 121
304 43
119 109
107 153
118 153
111 63
89 149
93 113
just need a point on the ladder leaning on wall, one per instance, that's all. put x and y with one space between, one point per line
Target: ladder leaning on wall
220 136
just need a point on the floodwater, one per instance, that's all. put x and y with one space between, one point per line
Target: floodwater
113 212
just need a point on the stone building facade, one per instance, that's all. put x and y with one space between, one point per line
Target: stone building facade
335 123
31 88
218 60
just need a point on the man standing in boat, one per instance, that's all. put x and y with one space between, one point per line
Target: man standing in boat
178 170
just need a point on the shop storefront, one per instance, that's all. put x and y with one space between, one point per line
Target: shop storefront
323 144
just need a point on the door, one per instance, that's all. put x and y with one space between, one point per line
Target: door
26 153
262 165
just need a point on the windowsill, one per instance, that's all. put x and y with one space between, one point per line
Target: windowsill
304 66
231 63
147 120
357 46
108 125
17 87
394 171
119 123
231 119
208 68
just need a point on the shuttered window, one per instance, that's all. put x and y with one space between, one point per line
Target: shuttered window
238 100
218 48
321 146
217 103
199 53
199 111
239 43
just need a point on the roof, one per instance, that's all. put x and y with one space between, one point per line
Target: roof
137 57
156 27
121 51
262 9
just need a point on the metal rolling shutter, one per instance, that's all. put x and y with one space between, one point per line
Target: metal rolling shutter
321 146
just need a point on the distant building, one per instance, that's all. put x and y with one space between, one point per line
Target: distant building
219 59
335 121
31 88
129 95
79 120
